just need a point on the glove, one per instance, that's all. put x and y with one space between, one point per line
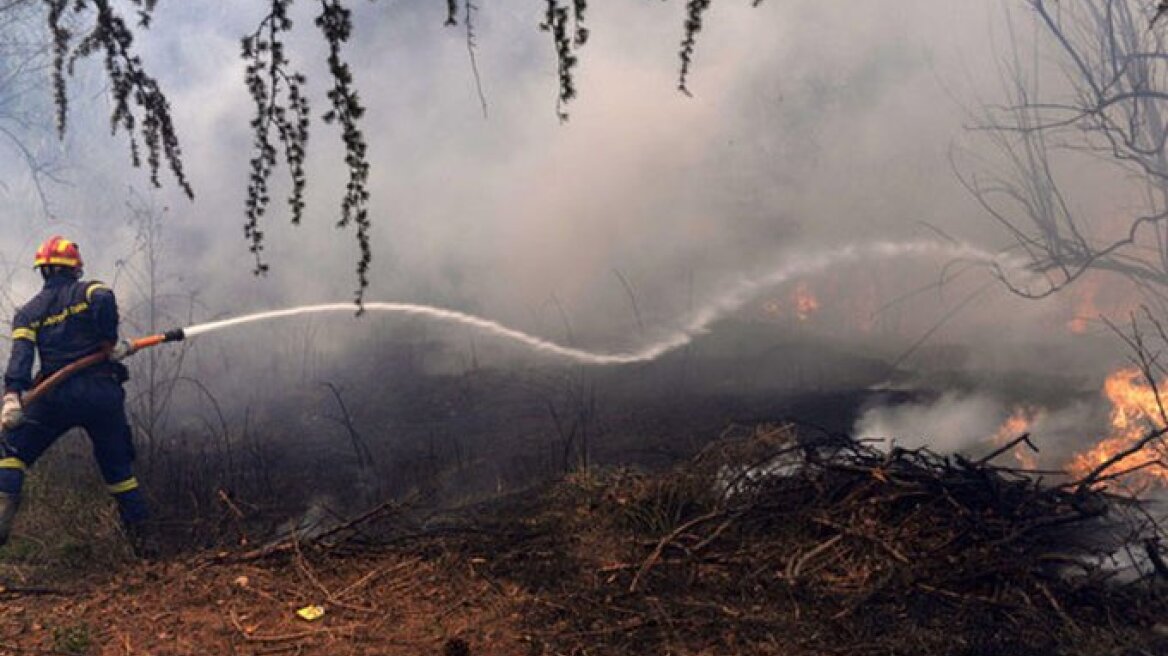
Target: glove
122 350
12 414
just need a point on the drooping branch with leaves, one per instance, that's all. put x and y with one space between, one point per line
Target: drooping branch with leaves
280 104
281 121
555 22
336 24
140 108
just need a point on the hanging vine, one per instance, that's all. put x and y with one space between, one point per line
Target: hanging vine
133 90
280 103
694 10
555 22
281 120
579 7
336 24
469 8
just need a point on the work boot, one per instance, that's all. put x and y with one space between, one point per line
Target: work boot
144 541
9 504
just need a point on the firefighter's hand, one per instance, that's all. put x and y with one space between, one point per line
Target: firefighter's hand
122 350
12 414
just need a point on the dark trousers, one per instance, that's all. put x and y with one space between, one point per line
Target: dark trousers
96 403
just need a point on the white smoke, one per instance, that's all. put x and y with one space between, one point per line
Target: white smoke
967 422
954 422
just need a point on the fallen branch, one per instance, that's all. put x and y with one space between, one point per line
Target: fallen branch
291 542
673 535
795 565
1024 437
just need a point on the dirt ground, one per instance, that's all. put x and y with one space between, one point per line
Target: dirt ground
385 604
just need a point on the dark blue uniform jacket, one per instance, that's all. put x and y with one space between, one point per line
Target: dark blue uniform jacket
69 319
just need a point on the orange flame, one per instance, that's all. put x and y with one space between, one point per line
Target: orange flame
1016 424
1134 412
1085 308
806 304
802 305
1097 296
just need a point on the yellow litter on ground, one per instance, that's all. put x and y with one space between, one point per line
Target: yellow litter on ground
311 613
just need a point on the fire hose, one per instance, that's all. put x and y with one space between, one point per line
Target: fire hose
68 371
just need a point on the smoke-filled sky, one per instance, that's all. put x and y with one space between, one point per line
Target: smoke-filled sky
812 124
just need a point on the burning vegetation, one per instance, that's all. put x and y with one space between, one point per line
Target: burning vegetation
1136 411
799 304
1129 453
1016 424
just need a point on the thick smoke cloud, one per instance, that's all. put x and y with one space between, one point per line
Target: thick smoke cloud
813 125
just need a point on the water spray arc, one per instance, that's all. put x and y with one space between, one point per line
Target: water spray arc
696 324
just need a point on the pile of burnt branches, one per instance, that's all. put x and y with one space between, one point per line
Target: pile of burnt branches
838 543
874 520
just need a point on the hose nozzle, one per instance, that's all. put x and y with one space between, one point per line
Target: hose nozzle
175 335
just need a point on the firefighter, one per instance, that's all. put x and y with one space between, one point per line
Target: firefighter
68 320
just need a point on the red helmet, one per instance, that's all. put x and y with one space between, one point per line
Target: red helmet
58 251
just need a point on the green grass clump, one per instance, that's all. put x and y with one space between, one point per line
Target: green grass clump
72 639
